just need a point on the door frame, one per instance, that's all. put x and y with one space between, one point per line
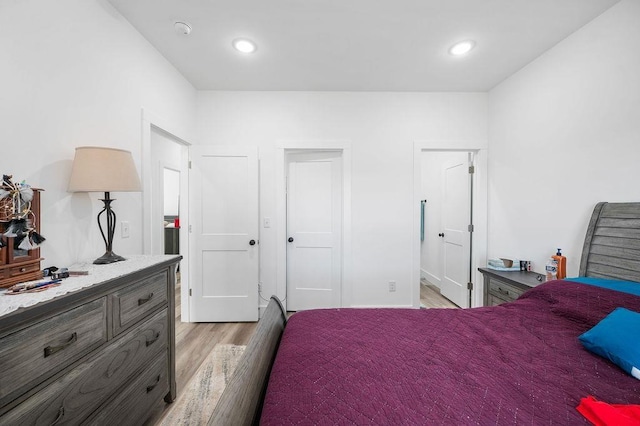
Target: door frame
152 121
479 211
281 149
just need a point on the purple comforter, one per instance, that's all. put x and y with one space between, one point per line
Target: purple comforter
518 363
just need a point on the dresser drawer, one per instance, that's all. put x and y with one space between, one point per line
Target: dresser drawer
504 291
31 355
132 303
132 405
74 396
15 271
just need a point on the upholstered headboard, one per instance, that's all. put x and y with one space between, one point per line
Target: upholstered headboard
612 244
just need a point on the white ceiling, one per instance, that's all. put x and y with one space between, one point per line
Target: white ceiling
356 45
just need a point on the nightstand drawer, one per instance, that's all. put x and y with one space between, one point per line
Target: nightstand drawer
492 300
48 346
133 303
504 291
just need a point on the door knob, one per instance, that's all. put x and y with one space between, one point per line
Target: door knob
441 234
290 239
252 242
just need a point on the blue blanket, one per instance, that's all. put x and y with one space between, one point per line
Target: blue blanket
622 286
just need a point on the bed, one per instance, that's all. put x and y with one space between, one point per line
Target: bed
516 363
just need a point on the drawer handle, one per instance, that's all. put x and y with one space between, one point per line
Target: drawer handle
23 269
145 300
503 291
151 387
152 341
50 350
59 416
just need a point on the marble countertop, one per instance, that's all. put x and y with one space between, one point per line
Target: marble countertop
96 274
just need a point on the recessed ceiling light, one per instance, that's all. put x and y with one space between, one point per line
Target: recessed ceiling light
182 28
243 45
462 48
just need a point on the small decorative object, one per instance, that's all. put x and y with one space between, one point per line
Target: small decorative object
19 232
15 208
97 169
504 264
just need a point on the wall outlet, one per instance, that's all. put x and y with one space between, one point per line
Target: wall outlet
392 286
124 229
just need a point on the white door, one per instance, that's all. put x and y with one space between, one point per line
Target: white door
456 218
223 197
314 230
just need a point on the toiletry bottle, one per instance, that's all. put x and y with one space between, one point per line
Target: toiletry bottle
562 264
552 269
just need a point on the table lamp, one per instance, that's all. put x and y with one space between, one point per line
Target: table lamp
98 169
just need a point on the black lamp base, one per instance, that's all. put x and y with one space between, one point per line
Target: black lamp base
108 257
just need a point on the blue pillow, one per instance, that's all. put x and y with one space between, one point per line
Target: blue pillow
617 338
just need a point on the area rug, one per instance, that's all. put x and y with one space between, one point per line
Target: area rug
195 404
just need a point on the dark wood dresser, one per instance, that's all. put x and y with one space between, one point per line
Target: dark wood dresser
506 286
101 354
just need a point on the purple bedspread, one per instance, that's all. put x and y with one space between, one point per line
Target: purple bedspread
518 363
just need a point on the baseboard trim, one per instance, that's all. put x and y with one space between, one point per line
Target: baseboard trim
429 277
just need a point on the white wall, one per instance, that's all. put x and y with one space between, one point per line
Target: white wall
171 192
565 134
382 129
74 73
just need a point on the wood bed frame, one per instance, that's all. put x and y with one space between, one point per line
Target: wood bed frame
611 250
241 400
612 244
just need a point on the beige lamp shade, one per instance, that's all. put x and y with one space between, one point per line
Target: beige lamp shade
97 169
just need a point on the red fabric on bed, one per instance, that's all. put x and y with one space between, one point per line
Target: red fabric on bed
518 363
602 414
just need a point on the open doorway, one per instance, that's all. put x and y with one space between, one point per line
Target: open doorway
164 150
450 222
171 210
445 231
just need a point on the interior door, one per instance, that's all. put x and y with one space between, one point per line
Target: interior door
223 197
456 218
314 230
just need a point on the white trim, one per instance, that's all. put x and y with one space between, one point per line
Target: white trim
479 246
429 277
281 148
149 121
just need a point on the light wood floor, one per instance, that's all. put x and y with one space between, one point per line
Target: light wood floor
430 297
195 341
